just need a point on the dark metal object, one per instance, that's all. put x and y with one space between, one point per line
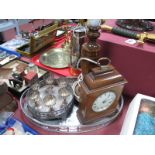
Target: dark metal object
135 24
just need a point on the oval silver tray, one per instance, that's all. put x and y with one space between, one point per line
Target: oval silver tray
55 58
71 124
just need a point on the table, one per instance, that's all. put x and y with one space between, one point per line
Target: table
136 63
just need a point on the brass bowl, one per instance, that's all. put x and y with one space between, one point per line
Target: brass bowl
56 58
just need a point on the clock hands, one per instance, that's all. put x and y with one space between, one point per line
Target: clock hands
103 101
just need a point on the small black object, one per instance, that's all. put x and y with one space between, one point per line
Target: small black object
16 81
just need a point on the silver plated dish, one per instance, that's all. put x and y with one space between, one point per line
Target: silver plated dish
55 58
71 124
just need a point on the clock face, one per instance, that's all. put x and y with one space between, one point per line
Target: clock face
103 101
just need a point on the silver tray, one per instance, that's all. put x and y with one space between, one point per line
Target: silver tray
55 58
71 124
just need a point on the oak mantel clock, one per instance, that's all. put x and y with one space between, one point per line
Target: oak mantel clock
100 92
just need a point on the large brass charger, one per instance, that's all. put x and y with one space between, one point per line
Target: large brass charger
55 58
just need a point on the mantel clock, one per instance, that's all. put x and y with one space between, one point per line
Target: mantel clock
100 92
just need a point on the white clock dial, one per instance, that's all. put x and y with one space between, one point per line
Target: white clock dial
103 101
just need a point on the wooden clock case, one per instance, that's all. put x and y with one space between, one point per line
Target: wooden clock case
95 83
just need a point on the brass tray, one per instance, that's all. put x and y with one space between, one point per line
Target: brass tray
56 58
